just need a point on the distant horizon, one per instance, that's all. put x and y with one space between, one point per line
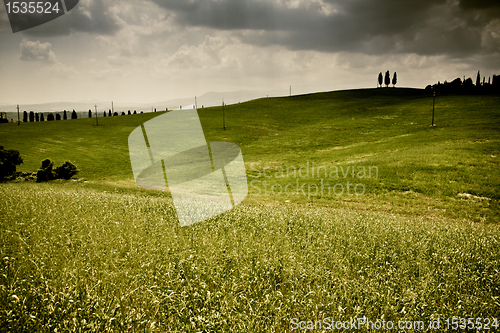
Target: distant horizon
120 104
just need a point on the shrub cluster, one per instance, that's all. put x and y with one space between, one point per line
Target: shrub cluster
47 171
9 159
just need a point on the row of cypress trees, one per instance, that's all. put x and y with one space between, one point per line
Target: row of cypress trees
39 116
109 113
387 79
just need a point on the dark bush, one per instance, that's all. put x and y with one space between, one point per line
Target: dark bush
104 113
129 112
58 116
8 161
45 172
74 115
90 113
48 172
65 171
115 114
42 117
123 113
25 117
32 117
37 117
65 115
50 117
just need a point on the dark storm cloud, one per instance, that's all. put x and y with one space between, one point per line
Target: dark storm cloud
483 4
426 27
91 16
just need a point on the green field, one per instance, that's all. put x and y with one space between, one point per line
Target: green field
421 241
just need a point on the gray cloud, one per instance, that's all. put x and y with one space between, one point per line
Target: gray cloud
426 27
36 51
90 16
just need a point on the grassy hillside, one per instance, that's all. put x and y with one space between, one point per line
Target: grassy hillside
451 169
421 243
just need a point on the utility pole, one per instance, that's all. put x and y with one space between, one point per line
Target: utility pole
18 117
223 115
96 121
433 102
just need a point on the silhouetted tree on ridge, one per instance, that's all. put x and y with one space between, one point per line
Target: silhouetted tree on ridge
394 79
387 79
380 79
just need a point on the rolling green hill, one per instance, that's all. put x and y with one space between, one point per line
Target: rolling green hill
451 169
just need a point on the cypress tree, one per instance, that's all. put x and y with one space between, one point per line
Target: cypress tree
394 79
387 80
25 117
65 115
74 115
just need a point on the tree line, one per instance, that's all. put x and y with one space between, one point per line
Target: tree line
40 116
467 85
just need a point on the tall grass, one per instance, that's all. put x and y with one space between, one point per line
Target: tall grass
77 258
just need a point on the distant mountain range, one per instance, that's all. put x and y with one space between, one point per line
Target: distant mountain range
205 100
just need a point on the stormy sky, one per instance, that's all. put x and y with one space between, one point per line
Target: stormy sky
155 50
